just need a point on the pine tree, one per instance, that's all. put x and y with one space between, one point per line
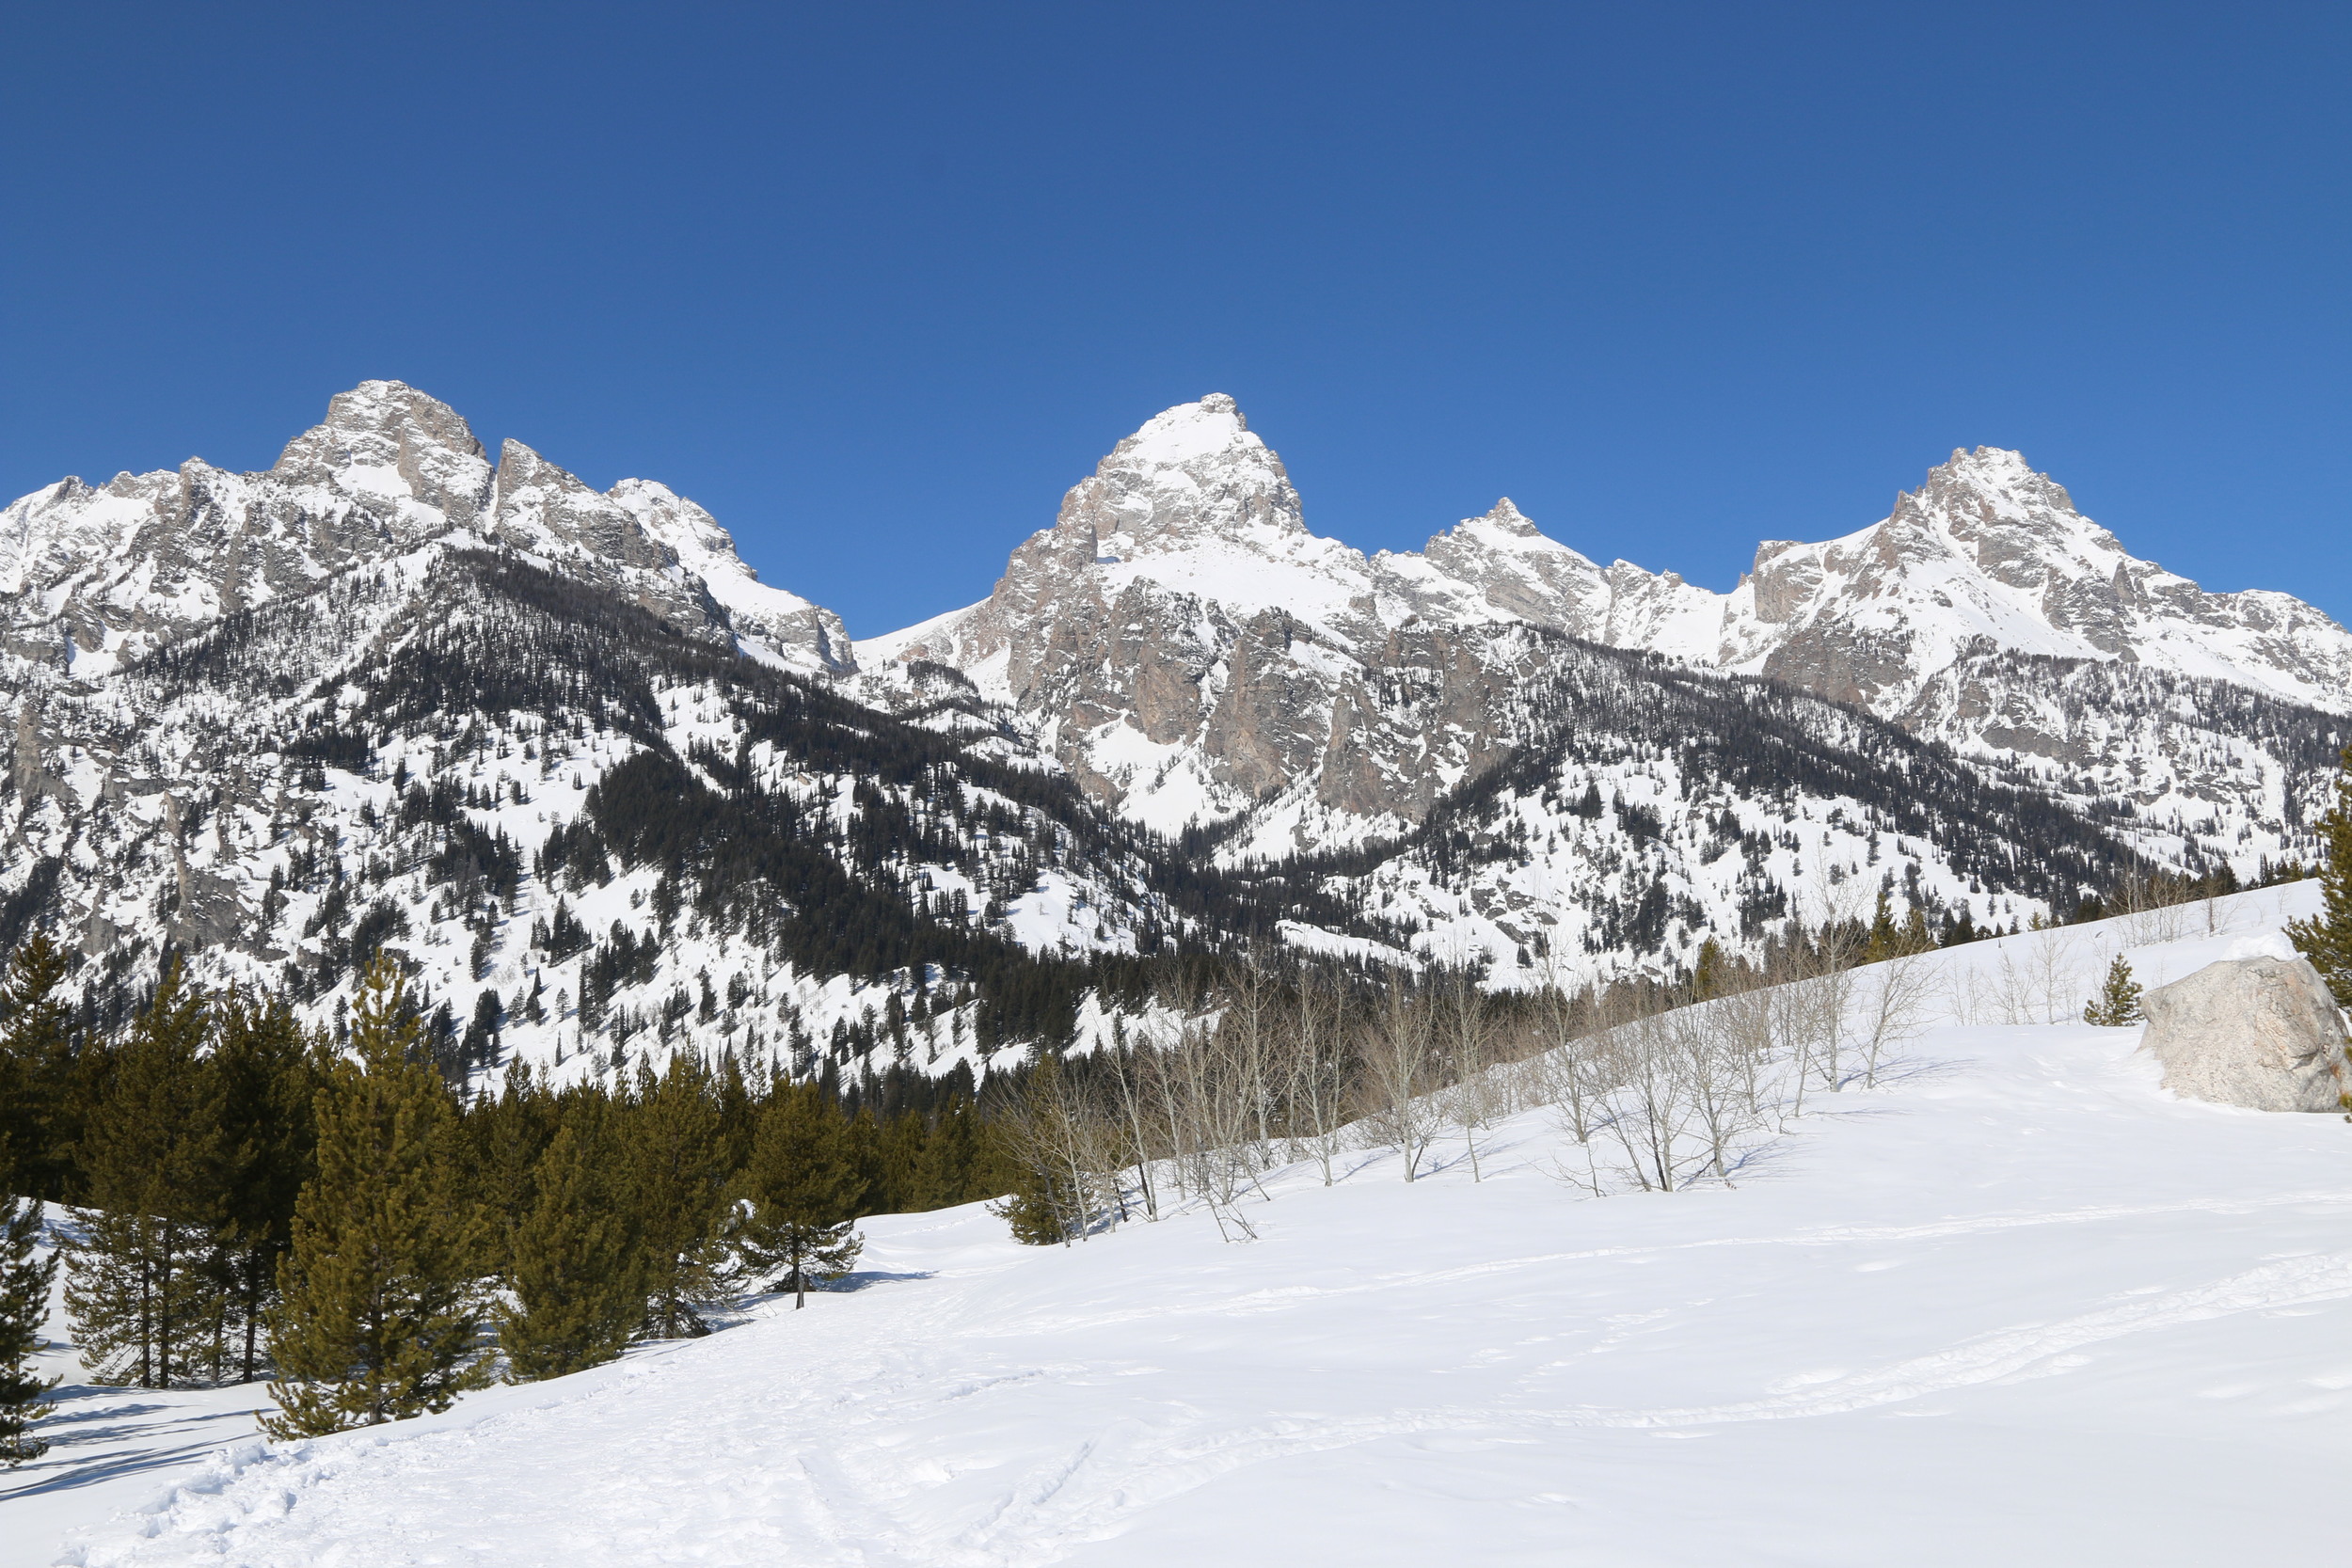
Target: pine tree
142 1279
2116 1004
956 1168
676 1168
375 1319
270 1073
1709 974
2327 938
864 1149
900 1187
1885 938
24 1282
38 1059
508 1134
578 1291
804 1189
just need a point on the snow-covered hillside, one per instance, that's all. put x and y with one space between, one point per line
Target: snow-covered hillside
2018 1305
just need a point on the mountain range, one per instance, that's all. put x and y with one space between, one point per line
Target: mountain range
609 793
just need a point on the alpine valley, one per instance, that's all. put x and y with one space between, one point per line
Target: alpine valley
611 794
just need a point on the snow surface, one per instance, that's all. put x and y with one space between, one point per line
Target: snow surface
2018 1306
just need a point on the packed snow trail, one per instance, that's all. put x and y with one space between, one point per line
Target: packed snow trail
2022 1306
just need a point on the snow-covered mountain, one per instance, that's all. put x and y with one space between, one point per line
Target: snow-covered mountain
93 576
1193 653
559 749
608 792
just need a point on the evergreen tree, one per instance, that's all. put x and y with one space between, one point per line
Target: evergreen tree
375 1319
577 1289
900 1186
864 1148
1034 1207
270 1075
1885 938
142 1279
804 1189
677 1170
956 1168
2327 938
38 1125
507 1135
2118 1002
24 1282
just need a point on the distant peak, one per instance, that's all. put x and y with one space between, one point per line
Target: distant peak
1189 429
395 408
1506 516
1191 471
1994 470
379 428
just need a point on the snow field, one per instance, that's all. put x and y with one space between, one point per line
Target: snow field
2019 1307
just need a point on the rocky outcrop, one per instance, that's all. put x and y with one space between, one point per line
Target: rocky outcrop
92 577
2262 1032
1989 550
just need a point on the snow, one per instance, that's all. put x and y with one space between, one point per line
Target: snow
2020 1307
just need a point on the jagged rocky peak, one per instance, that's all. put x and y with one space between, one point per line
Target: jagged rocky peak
2018 526
91 578
1504 518
1987 550
1193 472
388 437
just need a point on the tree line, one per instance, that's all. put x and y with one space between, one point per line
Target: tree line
249 1202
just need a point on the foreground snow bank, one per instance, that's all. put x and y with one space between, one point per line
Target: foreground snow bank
2020 1307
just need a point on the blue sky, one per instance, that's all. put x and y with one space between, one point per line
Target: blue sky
877 283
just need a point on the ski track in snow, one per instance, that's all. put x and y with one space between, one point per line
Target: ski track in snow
838 1484
2032 1295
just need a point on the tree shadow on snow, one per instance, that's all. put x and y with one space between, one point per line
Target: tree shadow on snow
71 1429
860 1279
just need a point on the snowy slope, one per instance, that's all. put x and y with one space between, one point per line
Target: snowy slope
2019 1307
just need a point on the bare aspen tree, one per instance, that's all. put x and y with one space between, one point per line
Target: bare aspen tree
1795 1024
1399 1072
1562 1069
1650 1113
1894 1000
1130 1103
1713 1087
1315 1081
1463 1043
1830 958
1251 1006
1745 1020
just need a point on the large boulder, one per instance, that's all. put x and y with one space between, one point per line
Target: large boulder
2260 1033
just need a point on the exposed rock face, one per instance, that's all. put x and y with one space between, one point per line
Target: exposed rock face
2260 1033
1987 550
91 578
1190 650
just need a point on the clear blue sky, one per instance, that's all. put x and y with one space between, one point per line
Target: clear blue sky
876 283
